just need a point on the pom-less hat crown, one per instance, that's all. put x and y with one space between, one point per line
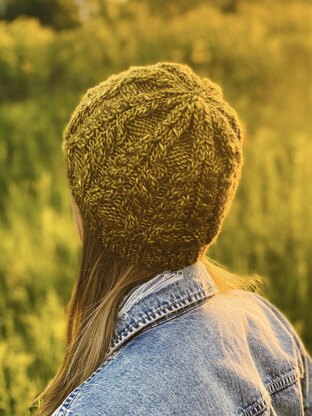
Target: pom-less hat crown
154 157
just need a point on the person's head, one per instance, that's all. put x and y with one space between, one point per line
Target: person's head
153 157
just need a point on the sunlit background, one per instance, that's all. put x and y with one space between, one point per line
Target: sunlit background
51 51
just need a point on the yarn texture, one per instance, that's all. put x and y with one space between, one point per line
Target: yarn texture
154 157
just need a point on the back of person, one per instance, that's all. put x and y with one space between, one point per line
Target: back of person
154 158
218 354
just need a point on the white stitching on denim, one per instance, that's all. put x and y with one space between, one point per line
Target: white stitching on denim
258 407
197 272
273 387
161 311
65 410
283 382
200 290
152 286
136 326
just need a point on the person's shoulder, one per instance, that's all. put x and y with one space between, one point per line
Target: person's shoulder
170 368
159 372
277 318
188 362
303 357
262 314
270 337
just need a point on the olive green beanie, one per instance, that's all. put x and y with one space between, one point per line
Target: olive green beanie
154 157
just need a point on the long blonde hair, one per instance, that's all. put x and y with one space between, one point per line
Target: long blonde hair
92 309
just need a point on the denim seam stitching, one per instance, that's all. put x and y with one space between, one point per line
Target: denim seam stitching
258 407
281 383
67 401
273 387
146 327
202 294
179 312
65 408
161 310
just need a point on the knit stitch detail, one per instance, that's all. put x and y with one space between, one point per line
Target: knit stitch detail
154 158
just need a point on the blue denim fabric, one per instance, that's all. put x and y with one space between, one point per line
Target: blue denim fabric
181 348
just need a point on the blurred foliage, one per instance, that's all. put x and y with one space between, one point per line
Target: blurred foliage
60 14
50 53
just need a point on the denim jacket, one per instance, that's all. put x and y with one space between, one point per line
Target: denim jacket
182 348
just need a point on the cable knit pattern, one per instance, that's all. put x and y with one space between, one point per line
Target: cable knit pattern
154 157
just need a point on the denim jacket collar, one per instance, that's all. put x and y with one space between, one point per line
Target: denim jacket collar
166 295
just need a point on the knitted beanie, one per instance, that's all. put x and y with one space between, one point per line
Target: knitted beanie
154 157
